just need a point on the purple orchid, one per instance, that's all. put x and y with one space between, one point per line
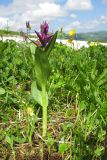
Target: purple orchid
44 28
44 36
27 24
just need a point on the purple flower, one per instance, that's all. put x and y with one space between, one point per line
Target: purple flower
44 28
44 36
27 24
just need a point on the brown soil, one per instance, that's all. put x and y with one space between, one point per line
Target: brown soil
36 156
28 153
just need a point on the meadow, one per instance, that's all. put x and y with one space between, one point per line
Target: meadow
77 105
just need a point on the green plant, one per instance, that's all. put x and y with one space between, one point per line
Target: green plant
77 93
63 147
31 119
10 140
2 91
50 142
41 72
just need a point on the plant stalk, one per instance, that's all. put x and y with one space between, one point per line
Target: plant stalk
44 105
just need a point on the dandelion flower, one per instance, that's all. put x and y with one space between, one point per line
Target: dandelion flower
72 32
30 111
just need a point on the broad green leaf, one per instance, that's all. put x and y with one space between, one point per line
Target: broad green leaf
2 91
42 67
36 93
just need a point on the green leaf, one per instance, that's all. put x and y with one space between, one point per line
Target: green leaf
50 46
50 141
3 46
63 147
2 91
99 150
10 140
93 71
11 78
82 105
20 140
36 93
42 67
32 48
102 75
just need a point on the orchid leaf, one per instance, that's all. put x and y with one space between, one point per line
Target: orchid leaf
36 93
42 67
50 46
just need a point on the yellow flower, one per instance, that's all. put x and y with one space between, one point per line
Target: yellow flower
72 32
69 40
92 44
30 27
30 111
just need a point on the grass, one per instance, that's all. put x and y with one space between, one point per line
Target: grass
77 104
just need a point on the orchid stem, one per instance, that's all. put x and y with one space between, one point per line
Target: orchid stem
44 105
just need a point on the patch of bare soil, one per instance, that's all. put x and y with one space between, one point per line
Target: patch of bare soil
31 153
